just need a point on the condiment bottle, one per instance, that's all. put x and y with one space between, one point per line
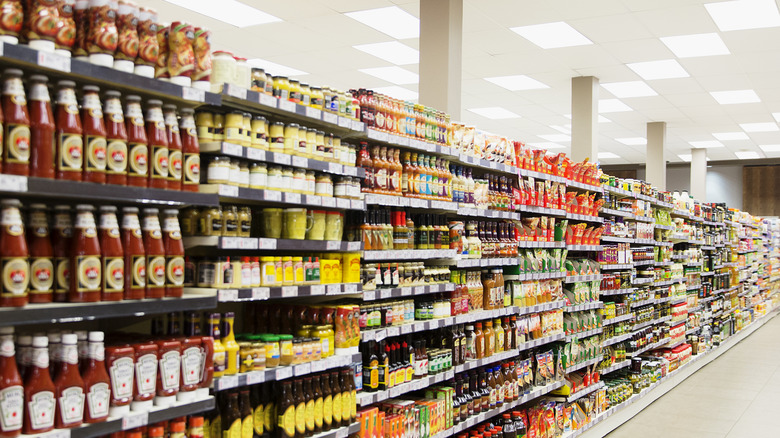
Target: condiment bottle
11 410
69 386
86 275
70 144
94 136
16 148
191 150
39 391
286 411
155 254
116 139
168 377
41 129
14 260
207 344
134 255
120 364
61 243
174 147
145 355
219 355
96 381
113 256
174 254
318 404
247 419
158 144
229 342
41 253
337 403
191 359
300 408
137 149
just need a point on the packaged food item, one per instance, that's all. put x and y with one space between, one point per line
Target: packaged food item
201 47
11 21
102 37
148 47
181 56
161 67
42 18
66 28
127 36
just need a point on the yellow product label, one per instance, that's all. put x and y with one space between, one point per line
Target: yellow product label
300 418
62 274
235 135
71 148
247 427
220 361
269 415
41 275
113 274
216 427
337 407
287 349
309 415
174 270
17 147
191 169
287 422
155 270
96 153
346 408
206 428
409 374
116 157
16 276
159 161
139 272
391 379
138 163
89 273
174 165
327 410
318 406
353 396
234 431
258 420
374 381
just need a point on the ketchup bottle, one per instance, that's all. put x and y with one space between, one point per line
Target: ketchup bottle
39 391
70 144
158 144
41 129
16 150
116 140
96 381
174 147
69 386
41 256
12 409
174 254
85 262
135 257
137 149
14 260
168 376
155 254
94 136
113 257
191 150
191 359
61 240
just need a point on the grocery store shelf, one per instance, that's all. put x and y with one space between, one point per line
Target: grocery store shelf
644 263
584 218
664 227
584 364
664 263
401 201
617 339
583 186
617 319
642 281
617 239
652 346
398 292
262 243
284 372
676 344
618 191
264 292
416 326
535 276
584 247
243 195
481 212
615 367
640 303
541 210
617 291
483 263
585 391
607 267
411 254
644 219
540 307
584 306
583 334
582 278
621 213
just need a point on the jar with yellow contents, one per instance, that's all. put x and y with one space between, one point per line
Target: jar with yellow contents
281 88
273 352
219 127
291 138
258 176
234 128
305 95
286 350
204 122
276 134
247 130
317 98
268 272
295 91
259 133
327 338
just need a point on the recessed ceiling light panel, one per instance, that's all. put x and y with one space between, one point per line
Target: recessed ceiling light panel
629 89
735 96
701 44
726 136
770 147
552 35
613 106
664 69
555 137
391 20
744 14
747 155
392 52
495 113
632 141
229 11
397 92
759 127
706 144
274 68
517 82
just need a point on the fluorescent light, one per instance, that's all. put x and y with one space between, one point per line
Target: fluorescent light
555 137
747 155
392 52
391 20
566 129
759 127
602 119
700 44
685 157
726 136
629 89
274 68
494 112
664 69
396 75
613 106
632 141
397 92
607 155
229 11
517 82
552 35
735 96
706 144
744 14
548 146
770 147
776 116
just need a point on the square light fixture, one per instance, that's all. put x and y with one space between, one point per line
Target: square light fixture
686 157
759 127
744 14
395 75
735 96
613 106
555 137
392 52
397 92
706 144
548 146
517 82
566 129
391 20
776 116
700 44
231 12
770 148
632 141
726 136
552 35
629 89
495 113
274 68
747 155
663 69
607 155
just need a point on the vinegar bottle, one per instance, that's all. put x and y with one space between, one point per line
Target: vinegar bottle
41 129
85 263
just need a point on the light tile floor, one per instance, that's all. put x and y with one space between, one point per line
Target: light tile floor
735 396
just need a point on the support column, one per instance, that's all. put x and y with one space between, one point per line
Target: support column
441 54
699 174
584 118
656 158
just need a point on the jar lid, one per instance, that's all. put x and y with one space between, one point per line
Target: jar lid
222 52
285 337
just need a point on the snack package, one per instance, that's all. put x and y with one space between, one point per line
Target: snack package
66 26
161 68
41 21
148 46
202 50
11 21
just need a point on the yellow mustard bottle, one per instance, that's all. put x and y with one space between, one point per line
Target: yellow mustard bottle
230 344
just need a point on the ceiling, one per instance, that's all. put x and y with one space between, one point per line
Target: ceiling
317 38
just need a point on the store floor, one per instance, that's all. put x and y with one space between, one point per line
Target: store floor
735 396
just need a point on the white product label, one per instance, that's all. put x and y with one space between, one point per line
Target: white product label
169 369
121 372
71 404
97 398
11 408
42 410
190 366
146 373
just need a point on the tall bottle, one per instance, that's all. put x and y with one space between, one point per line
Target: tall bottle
116 139
11 410
16 148
137 143
69 386
39 391
61 244
286 411
96 381
174 254
41 129
112 256
134 255
155 254
327 402
318 404
41 256
364 160
247 419
174 147
85 279
158 144
229 342
219 356
14 260
231 417
190 150
70 144
308 394
337 402
94 136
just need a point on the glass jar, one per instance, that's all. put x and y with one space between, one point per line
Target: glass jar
204 122
291 138
244 222
259 133
317 98
311 183
305 331
243 174
276 134
299 181
218 171
305 95
234 127
258 176
247 129
281 88
336 149
316 349
311 141
295 91
243 76
273 352
324 186
287 179
307 350
219 127
319 147
268 272
275 178
235 173
286 349
340 189
297 351
326 336
210 222
223 68
258 80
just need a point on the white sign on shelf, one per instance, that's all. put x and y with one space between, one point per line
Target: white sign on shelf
292 198
385 293
286 105
333 289
328 201
227 295
267 100
350 288
13 183
255 154
344 122
233 149
272 195
255 377
226 190
302 369
266 243
406 291
227 382
313 113
53 61
289 291
369 295
343 203
260 293
133 420
284 373
313 200
330 118
280 158
317 289
300 161
237 92
335 168
189 93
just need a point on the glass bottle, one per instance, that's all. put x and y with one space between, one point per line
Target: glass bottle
94 129
174 254
174 147
69 386
155 254
70 144
112 257
10 386
85 280
134 255
137 143
190 150
116 139
41 129
158 144
16 148
14 261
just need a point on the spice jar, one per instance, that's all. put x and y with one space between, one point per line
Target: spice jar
258 176
218 171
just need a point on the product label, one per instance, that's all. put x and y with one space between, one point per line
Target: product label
88 270
300 418
11 408
98 400
139 272
287 422
96 153
174 270
258 420
71 404
327 410
121 372
41 275
309 414
41 408
337 407
116 157
16 276
191 169
17 143
146 373
269 416
174 165
159 161
138 163
190 366
155 268
71 152
247 427
170 364
346 405
113 274
62 271
220 361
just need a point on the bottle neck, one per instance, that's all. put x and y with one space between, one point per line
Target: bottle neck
97 353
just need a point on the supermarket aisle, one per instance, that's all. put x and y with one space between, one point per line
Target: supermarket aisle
735 396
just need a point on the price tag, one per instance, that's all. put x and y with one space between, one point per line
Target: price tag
255 154
13 183
284 373
342 433
227 382
335 168
380 335
419 290
318 365
289 291
228 295
369 295
232 149
344 122
332 245
330 118
313 113
292 198
385 293
313 200
406 291
279 158
267 100
300 161
317 289
189 93
287 105
333 289
266 243
350 288
272 195
492 164
237 92
58 433
260 293
353 246
247 243
328 201
302 369
135 419
229 243
52 61
406 328
343 203
226 190
395 391
255 377
350 171
393 331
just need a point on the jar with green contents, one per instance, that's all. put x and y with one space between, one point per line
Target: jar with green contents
272 350
327 338
286 349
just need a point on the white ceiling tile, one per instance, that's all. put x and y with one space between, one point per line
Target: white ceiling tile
607 28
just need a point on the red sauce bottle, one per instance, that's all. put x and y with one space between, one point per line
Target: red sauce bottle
96 381
70 144
145 376
116 140
113 257
69 386
174 254
12 409
135 257
207 364
85 262
191 359
14 260
61 240
120 362
41 256
174 147
137 149
41 129
158 144
39 391
168 377
16 148
94 136
155 254
191 151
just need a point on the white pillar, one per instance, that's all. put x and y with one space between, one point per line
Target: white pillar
441 40
656 158
584 118
699 174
